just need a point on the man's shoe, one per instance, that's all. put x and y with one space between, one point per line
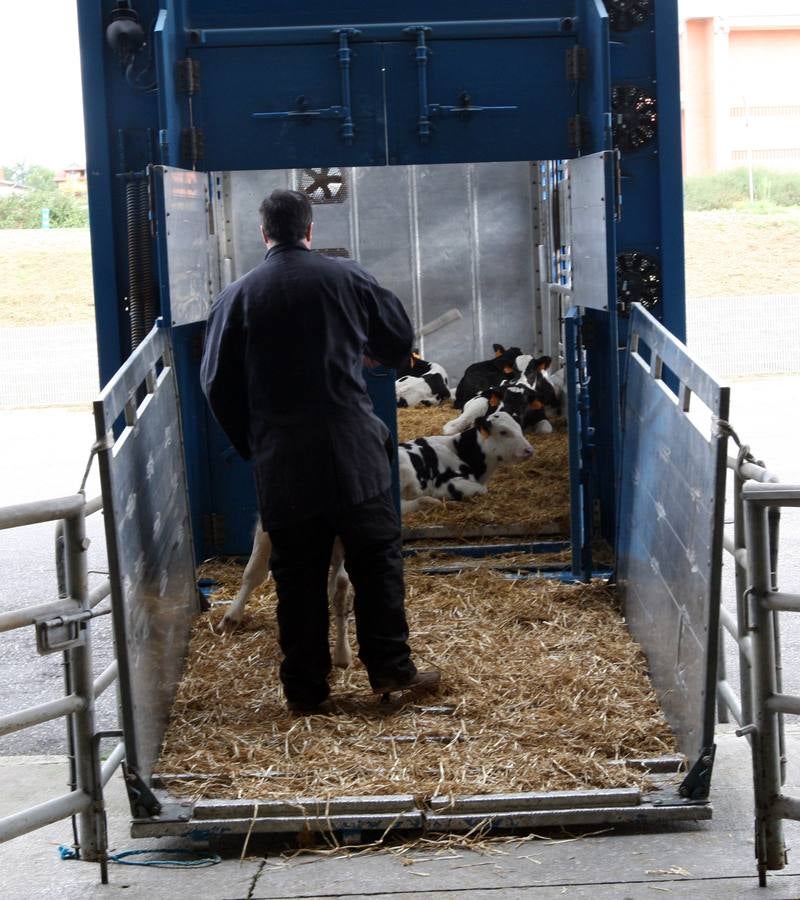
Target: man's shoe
418 684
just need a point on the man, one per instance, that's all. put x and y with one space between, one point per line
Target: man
282 372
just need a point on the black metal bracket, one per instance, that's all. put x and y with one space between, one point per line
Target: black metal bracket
697 784
143 801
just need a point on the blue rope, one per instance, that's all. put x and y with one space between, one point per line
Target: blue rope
198 860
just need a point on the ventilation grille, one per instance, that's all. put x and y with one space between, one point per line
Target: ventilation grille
624 15
327 185
635 119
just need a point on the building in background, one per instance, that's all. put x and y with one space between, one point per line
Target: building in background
72 180
740 90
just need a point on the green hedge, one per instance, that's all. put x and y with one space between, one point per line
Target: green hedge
728 190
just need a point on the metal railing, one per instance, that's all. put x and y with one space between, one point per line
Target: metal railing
65 625
758 497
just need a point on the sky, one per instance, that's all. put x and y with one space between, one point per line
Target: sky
41 114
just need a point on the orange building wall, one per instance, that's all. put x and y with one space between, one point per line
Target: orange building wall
697 97
740 93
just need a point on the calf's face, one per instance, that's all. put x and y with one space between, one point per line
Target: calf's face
502 438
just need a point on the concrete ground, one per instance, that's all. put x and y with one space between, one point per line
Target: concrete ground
710 860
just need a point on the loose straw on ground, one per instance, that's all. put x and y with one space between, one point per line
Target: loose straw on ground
543 689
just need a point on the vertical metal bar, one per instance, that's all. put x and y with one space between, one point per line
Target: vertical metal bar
770 848
345 55
416 253
587 449
421 54
80 667
573 424
475 253
354 213
774 522
740 576
723 715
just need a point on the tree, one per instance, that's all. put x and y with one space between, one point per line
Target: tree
24 210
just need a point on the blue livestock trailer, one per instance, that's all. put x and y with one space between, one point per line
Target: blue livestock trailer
520 166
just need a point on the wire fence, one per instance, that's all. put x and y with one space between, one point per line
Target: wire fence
734 337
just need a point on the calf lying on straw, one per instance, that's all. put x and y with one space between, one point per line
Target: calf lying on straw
340 592
458 466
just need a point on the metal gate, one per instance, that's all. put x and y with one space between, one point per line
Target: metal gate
758 497
149 540
64 626
669 548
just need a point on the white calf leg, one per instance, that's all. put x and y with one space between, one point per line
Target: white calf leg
340 591
410 506
255 573
473 409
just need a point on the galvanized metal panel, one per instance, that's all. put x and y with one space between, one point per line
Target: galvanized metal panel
441 237
148 533
192 257
588 230
670 523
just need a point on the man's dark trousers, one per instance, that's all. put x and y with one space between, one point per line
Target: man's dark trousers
301 553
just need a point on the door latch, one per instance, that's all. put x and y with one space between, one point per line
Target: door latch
427 110
341 111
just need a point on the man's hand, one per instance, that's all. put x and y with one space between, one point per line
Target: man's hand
370 363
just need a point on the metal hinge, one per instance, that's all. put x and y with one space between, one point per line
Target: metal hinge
577 132
143 802
187 76
577 62
214 528
697 784
192 147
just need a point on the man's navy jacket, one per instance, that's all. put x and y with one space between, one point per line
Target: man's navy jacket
282 372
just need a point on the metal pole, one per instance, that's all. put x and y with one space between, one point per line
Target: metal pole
770 848
723 713
88 780
774 523
740 574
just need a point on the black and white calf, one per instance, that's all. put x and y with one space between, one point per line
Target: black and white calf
481 376
458 467
521 402
340 592
429 389
535 374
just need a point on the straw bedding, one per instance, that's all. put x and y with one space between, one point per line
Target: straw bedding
543 689
534 493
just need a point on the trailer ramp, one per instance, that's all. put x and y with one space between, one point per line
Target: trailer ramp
670 530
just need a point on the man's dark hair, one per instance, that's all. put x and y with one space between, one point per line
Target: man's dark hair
285 216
